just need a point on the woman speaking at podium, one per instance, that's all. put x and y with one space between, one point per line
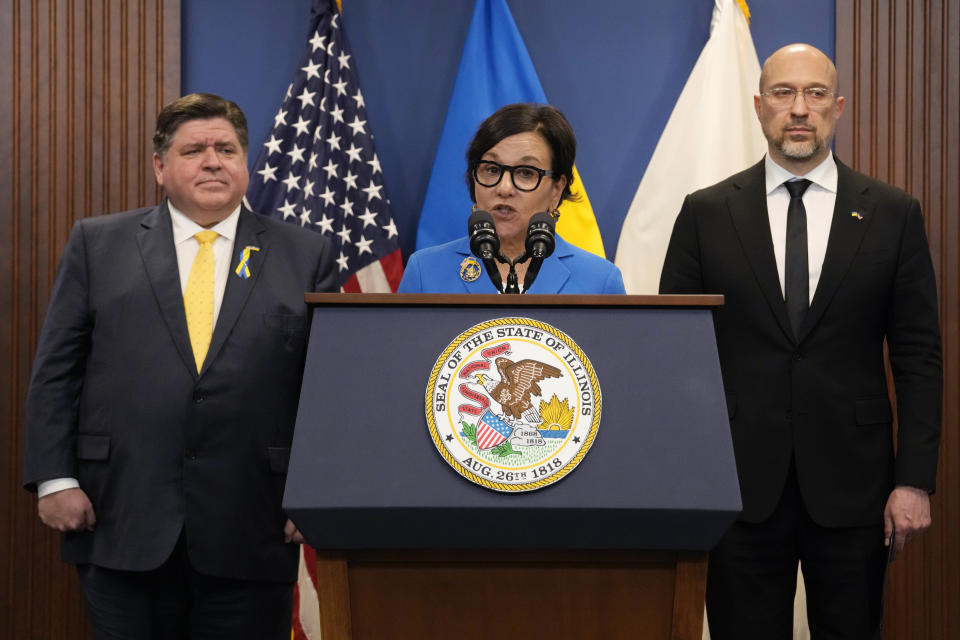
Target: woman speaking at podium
519 170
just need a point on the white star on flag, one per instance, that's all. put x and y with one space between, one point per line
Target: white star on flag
372 191
357 125
350 180
292 181
391 229
363 246
302 126
288 210
329 197
330 168
311 70
326 224
268 173
296 154
306 98
368 217
272 145
354 152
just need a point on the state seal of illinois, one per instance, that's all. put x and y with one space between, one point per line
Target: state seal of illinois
513 404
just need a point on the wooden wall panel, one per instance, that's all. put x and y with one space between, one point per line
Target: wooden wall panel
899 66
81 82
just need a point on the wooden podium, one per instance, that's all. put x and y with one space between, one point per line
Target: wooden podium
409 549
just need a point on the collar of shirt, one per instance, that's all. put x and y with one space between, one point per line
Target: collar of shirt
823 176
184 228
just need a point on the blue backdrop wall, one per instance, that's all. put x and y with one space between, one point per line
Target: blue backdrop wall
615 67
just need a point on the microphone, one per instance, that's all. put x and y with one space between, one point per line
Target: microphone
485 244
484 241
540 243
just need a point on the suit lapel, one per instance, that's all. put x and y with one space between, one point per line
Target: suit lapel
250 233
748 210
155 240
846 234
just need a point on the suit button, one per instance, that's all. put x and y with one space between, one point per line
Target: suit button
796 356
199 395
190 455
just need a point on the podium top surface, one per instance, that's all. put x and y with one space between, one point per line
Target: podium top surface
498 300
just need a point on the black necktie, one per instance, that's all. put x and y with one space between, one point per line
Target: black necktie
797 276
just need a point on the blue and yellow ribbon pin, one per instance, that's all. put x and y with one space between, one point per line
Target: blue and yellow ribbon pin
243 269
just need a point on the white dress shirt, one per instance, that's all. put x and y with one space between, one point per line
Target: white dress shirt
818 200
187 247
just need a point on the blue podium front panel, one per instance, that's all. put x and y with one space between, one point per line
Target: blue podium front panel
365 474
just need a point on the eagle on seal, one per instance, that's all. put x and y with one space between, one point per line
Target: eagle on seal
518 381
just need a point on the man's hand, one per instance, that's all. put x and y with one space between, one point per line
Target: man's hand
907 514
67 510
291 533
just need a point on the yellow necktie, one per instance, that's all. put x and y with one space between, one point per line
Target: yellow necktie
198 297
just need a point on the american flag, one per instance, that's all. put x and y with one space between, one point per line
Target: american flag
491 430
318 168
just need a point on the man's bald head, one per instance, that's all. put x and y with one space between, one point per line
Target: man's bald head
794 56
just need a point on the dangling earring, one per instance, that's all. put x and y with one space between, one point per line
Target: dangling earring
474 209
555 213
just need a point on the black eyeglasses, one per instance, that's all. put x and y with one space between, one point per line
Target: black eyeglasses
525 177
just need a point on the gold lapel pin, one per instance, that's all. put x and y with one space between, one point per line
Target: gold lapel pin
469 269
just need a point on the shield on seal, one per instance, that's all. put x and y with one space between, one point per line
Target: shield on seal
491 430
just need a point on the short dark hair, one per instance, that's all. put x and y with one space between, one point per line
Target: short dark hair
512 119
197 106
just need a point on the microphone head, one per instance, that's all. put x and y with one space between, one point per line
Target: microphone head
478 220
541 240
484 241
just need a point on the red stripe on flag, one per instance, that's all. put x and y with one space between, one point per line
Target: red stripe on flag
393 268
352 285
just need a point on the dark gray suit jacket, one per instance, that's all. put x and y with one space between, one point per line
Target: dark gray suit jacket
115 399
820 398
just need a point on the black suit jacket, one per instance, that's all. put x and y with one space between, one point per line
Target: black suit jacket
115 399
821 398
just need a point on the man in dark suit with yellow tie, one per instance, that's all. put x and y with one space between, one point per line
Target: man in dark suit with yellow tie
819 266
162 402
